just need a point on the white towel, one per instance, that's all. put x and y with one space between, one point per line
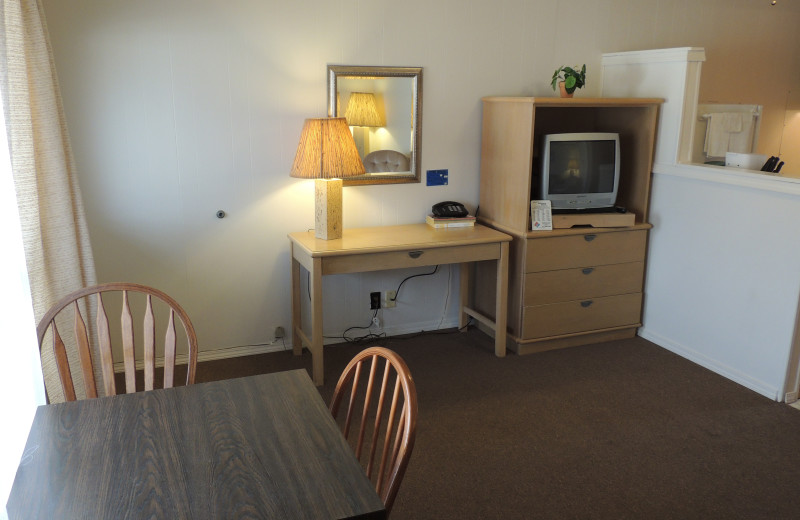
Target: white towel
742 140
719 129
731 122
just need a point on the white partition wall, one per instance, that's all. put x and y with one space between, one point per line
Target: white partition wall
722 280
672 74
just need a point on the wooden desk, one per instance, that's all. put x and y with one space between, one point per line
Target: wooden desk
394 247
258 447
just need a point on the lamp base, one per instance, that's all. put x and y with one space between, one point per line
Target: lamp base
361 138
328 208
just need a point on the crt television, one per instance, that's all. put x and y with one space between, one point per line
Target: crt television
579 170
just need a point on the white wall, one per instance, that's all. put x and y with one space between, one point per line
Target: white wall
179 108
722 283
722 277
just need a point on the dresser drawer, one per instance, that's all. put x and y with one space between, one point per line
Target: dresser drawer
555 319
582 283
591 249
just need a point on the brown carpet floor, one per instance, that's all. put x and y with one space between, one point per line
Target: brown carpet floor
615 430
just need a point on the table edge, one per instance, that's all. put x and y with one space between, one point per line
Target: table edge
298 241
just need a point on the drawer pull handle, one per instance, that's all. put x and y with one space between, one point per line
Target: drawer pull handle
588 270
415 254
589 238
586 303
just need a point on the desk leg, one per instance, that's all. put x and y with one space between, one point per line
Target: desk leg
502 302
297 342
317 366
465 285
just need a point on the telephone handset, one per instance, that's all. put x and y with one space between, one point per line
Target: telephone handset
449 209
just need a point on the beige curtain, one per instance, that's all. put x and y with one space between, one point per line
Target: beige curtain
56 240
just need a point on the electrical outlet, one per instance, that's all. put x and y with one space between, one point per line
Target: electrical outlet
389 299
279 332
376 321
374 300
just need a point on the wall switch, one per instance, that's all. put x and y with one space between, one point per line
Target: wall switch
437 177
389 300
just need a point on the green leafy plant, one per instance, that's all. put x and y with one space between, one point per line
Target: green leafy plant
571 76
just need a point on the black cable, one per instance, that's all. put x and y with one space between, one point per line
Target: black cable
365 337
357 327
434 332
397 292
383 334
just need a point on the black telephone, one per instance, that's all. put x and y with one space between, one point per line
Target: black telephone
449 209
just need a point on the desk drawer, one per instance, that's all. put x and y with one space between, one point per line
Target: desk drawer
591 249
541 321
362 262
588 282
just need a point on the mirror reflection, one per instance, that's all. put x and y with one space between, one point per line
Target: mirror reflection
382 105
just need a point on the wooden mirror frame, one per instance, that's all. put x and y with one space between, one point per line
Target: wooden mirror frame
335 72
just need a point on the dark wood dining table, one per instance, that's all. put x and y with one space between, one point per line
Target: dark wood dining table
264 446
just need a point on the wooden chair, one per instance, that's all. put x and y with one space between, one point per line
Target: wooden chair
84 343
392 462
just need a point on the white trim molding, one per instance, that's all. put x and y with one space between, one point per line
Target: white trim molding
286 344
679 54
714 365
731 176
213 355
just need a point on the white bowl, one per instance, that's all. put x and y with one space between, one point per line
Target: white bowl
748 161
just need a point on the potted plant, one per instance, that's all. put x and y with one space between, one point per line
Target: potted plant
569 79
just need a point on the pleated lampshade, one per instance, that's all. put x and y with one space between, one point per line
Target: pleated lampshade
362 110
326 151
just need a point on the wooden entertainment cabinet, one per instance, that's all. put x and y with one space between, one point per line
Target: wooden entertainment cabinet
570 286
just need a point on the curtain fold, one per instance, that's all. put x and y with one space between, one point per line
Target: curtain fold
56 239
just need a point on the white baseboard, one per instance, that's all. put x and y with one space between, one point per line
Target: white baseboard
212 355
715 366
252 350
399 330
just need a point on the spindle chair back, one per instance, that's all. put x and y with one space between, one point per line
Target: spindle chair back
390 411
84 339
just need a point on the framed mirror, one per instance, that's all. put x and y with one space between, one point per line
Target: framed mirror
383 106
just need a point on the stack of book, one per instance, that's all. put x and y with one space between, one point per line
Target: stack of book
449 222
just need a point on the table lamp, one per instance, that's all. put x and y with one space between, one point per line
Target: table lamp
327 153
362 111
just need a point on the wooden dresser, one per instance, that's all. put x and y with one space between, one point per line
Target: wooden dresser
576 285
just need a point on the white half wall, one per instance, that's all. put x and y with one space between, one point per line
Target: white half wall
671 74
722 280
722 277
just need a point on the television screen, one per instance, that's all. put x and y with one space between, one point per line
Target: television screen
582 166
580 171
